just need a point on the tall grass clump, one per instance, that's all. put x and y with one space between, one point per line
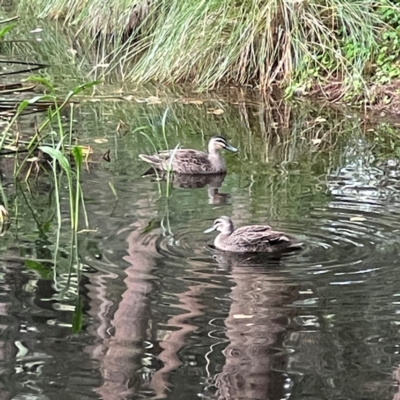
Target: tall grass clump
251 42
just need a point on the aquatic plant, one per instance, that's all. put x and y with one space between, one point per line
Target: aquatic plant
51 143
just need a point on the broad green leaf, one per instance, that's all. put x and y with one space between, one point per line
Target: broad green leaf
57 155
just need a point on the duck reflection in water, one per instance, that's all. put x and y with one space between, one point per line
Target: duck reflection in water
187 181
255 327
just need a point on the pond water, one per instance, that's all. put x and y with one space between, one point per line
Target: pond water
151 311
162 314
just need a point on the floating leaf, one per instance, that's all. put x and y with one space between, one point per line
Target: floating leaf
100 140
217 111
195 102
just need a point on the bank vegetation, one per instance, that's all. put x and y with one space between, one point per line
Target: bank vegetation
341 50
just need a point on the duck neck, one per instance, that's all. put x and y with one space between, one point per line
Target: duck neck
220 240
215 158
227 230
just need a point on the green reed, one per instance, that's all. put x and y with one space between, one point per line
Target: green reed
52 144
254 42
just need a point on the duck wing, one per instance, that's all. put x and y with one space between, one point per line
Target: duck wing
182 155
257 235
189 161
181 158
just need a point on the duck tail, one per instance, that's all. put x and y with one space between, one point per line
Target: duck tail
296 245
150 159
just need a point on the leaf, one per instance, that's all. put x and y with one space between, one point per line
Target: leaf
86 150
80 88
22 106
57 155
153 224
195 102
316 141
77 318
35 99
44 272
100 140
78 156
6 29
217 111
43 81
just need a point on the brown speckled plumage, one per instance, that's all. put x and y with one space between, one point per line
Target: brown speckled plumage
188 161
250 239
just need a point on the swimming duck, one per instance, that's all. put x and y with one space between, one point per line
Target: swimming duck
250 239
187 161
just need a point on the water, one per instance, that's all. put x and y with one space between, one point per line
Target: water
156 312
166 316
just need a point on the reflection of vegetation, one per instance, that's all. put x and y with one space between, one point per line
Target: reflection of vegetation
284 152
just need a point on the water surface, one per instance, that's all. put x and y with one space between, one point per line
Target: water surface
154 312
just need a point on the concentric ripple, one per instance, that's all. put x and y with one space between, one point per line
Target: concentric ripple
353 229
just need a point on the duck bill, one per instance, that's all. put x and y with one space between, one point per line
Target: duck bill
209 230
231 148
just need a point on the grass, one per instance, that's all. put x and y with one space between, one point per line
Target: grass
51 143
260 43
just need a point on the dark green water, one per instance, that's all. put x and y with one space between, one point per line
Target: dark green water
165 316
150 311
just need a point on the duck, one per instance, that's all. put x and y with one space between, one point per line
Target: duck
250 238
188 161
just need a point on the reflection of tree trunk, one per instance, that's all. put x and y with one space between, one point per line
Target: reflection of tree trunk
176 339
121 356
7 358
13 282
254 326
396 375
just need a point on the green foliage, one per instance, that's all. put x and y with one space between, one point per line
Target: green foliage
294 44
388 58
5 30
54 140
212 42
